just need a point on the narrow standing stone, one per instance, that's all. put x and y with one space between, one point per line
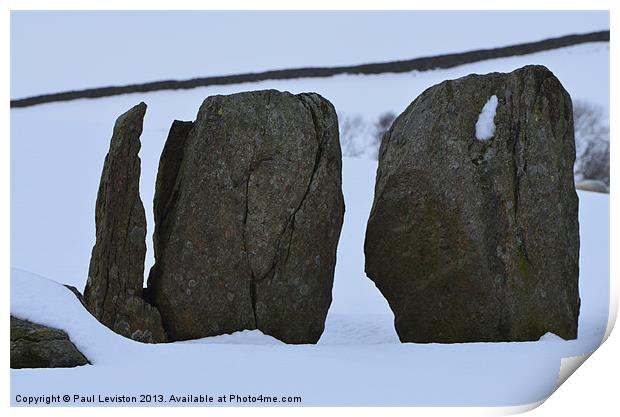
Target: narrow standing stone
113 293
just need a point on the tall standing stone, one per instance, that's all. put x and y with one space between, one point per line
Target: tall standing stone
249 209
113 293
478 240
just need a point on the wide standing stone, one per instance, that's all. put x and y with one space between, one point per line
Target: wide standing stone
113 293
478 240
37 346
248 209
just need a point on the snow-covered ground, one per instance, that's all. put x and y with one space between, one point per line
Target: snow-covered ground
358 361
57 152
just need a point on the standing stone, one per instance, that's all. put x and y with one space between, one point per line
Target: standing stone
165 197
478 240
37 346
113 293
169 164
248 209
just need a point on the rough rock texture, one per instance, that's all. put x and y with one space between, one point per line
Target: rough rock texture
169 164
37 346
249 209
113 293
479 241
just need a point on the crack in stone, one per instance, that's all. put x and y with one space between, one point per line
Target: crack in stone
245 248
319 135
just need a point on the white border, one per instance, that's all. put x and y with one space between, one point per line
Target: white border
593 387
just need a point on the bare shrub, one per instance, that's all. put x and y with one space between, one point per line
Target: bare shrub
591 141
358 138
594 164
382 125
352 134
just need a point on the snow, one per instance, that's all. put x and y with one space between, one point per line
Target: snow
550 337
358 361
57 153
50 303
485 126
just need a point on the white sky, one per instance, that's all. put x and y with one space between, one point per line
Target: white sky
53 51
